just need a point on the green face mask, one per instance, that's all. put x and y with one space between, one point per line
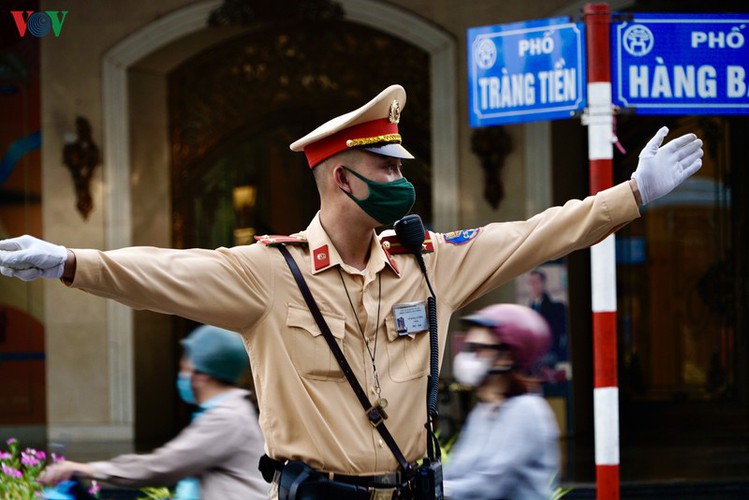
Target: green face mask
387 201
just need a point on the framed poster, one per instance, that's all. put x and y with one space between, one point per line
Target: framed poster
544 289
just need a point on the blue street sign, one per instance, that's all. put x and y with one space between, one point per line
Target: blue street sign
681 64
527 71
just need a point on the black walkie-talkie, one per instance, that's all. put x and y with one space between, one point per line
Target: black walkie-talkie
410 232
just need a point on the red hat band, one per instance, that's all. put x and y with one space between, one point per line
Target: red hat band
378 131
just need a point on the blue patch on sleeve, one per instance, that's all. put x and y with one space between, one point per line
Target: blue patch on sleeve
461 237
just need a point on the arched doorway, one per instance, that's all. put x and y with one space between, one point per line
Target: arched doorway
235 108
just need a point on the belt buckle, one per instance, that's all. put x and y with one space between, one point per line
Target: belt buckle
390 479
381 493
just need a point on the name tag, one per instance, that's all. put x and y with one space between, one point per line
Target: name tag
410 317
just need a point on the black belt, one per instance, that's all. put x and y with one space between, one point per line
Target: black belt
392 480
339 486
268 466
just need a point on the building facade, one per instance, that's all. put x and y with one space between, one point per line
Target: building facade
191 106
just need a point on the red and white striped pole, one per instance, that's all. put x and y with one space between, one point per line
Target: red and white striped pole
602 256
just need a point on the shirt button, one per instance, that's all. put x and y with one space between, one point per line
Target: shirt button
382 443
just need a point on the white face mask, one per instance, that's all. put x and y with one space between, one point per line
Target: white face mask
470 369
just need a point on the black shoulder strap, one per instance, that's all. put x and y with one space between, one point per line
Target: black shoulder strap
374 414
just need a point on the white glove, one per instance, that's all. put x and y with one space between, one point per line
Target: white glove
661 169
30 258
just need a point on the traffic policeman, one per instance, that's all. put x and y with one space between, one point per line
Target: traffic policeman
365 286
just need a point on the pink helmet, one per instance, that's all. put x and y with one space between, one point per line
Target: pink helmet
524 330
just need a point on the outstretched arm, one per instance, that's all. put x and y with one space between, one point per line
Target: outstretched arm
63 471
227 287
205 444
496 253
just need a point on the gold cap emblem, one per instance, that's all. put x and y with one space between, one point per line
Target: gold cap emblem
395 112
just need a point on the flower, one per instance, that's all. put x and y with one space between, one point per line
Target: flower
12 472
95 489
19 471
29 459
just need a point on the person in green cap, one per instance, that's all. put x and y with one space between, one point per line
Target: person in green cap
216 456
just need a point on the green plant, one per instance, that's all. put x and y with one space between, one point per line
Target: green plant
559 492
19 471
155 494
446 445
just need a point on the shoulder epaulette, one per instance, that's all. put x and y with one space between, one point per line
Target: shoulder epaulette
393 246
278 239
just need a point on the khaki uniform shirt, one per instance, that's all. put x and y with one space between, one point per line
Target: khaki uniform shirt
308 411
221 448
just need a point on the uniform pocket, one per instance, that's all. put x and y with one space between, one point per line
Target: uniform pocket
408 356
307 347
